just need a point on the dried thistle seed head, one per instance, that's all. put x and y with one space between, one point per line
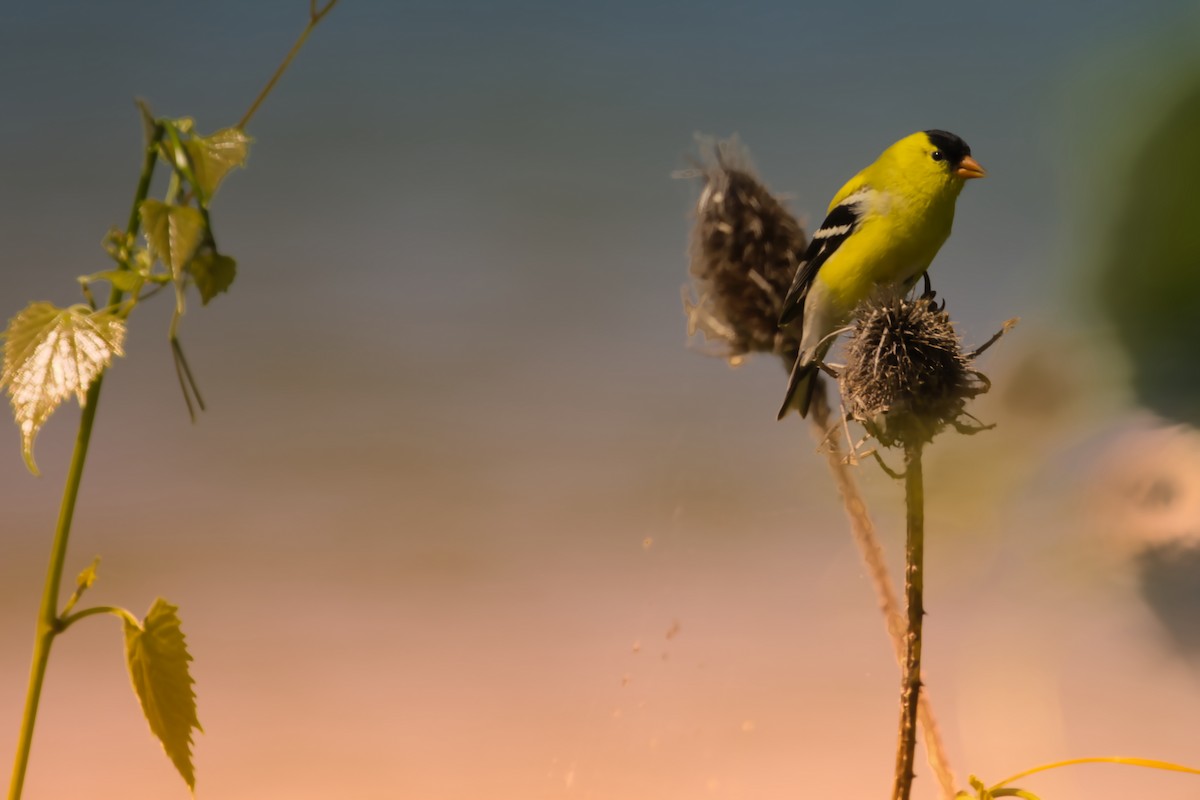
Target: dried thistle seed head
906 376
745 248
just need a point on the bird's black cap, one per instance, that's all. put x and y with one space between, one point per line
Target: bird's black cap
953 146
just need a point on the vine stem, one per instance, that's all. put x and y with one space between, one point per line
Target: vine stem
870 549
914 590
315 15
121 613
49 624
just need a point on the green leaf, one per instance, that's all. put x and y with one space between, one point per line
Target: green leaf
173 232
212 272
1149 283
158 666
124 280
51 353
214 156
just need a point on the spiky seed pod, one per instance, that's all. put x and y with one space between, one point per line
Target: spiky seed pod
906 377
745 248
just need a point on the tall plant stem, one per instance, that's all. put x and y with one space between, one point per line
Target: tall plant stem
49 625
914 589
870 549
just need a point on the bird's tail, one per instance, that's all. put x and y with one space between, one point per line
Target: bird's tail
801 386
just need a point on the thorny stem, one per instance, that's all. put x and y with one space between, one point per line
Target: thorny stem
315 15
914 588
48 623
862 530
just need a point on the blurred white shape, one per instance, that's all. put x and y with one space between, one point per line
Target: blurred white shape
1145 487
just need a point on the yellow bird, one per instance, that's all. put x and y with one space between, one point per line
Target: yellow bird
883 229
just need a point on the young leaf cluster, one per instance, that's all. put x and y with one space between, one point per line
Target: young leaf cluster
982 792
52 353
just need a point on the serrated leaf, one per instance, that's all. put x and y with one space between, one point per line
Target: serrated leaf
87 577
212 272
173 232
214 156
51 353
158 659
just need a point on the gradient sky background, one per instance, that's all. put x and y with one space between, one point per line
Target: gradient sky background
466 517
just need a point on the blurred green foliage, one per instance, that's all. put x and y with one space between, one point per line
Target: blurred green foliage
1167 577
1150 269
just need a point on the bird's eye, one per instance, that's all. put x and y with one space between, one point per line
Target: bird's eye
938 155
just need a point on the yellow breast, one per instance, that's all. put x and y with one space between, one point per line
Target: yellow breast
890 246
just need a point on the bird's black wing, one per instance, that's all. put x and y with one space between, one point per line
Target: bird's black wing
837 227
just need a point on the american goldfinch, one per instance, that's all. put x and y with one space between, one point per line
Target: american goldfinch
883 229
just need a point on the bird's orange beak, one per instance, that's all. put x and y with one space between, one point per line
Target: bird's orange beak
969 168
